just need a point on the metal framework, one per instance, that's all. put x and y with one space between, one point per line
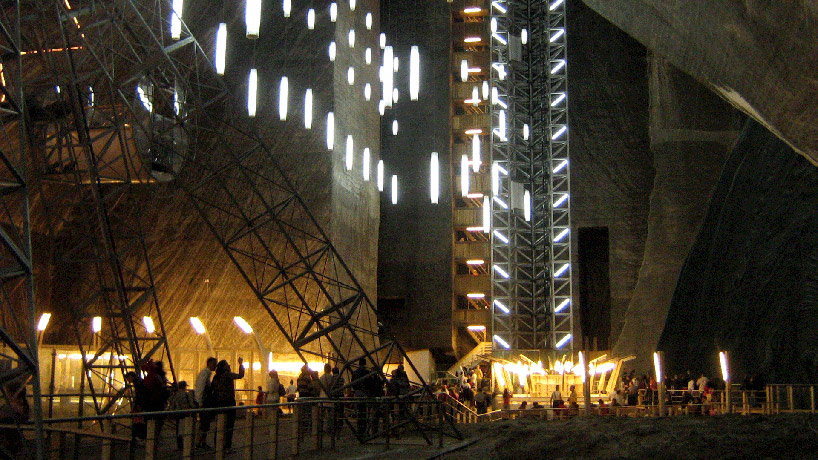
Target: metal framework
531 255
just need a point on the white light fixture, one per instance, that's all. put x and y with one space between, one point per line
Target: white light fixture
308 109
351 75
381 107
382 40
500 237
561 235
388 74
486 214
558 66
365 162
252 18
395 94
562 305
379 174
252 89
464 175
502 307
243 324
332 51
475 262
464 70
555 5
176 19
502 125
524 36
559 33
559 133
493 25
394 189
657 367
525 132
349 152
395 64
367 91
434 178
560 271
502 342
725 372
558 99
495 95
333 12
287 6
197 325
495 179
147 321
352 5
96 324
499 7
476 295
475 96
330 130
283 98
394 127
501 272
42 324
368 56
563 341
560 166
471 40
502 203
221 48
368 21
351 38
475 153
414 73
485 90
560 200
527 206
472 9
311 19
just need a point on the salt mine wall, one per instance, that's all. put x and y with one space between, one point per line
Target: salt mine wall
749 285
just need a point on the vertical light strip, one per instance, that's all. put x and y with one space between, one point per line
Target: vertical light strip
221 48
311 19
366 161
252 89
333 12
475 153
252 18
495 179
414 73
332 51
434 178
380 175
330 130
527 206
394 189
176 19
283 96
349 152
287 6
464 175
308 109
388 75
486 214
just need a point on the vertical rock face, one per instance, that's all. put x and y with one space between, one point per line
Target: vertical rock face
415 251
690 130
749 285
611 163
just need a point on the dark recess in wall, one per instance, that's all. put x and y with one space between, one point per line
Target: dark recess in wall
594 287
750 284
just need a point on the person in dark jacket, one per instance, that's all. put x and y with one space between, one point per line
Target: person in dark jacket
224 394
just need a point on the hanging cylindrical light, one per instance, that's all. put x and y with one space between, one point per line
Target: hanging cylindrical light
379 172
221 48
308 109
252 89
524 36
394 189
388 75
381 107
485 90
283 97
311 19
366 161
368 56
333 12
414 73
368 21
394 127
475 153
367 91
525 132
382 40
475 96
493 25
527 206
486 214
495 179
351 75
395 94
349 152
495 95
287 6
434 178
464 70
332 51
96 324
395 64
464 175
352 5
330 130
351 38
176 19
252 18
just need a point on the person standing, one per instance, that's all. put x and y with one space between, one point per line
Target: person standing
180 400
203 396
556 398
274 388
224 392
326 380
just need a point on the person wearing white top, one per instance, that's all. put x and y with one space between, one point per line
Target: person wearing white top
556 397
202 381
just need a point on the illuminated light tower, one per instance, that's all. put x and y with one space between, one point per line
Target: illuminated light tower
198 326
247 329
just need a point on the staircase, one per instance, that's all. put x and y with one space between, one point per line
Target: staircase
473 357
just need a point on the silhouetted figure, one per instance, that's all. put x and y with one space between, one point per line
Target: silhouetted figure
224 389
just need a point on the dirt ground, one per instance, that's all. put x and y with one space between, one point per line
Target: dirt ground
682 437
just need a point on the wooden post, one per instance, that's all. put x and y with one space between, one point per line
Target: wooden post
316 425
387 422
296 428
586 385
273 434
812 399
250 436
106 443
744 404
188 437
790 400
220 421
660 381
440 424
150 440
62 446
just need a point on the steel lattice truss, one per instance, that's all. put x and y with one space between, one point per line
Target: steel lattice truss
531 275
19 363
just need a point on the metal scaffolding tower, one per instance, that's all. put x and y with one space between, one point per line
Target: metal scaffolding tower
530 213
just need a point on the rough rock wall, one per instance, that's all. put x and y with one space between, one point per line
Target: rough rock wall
749 285
761 56
691 130
414 257
611 163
